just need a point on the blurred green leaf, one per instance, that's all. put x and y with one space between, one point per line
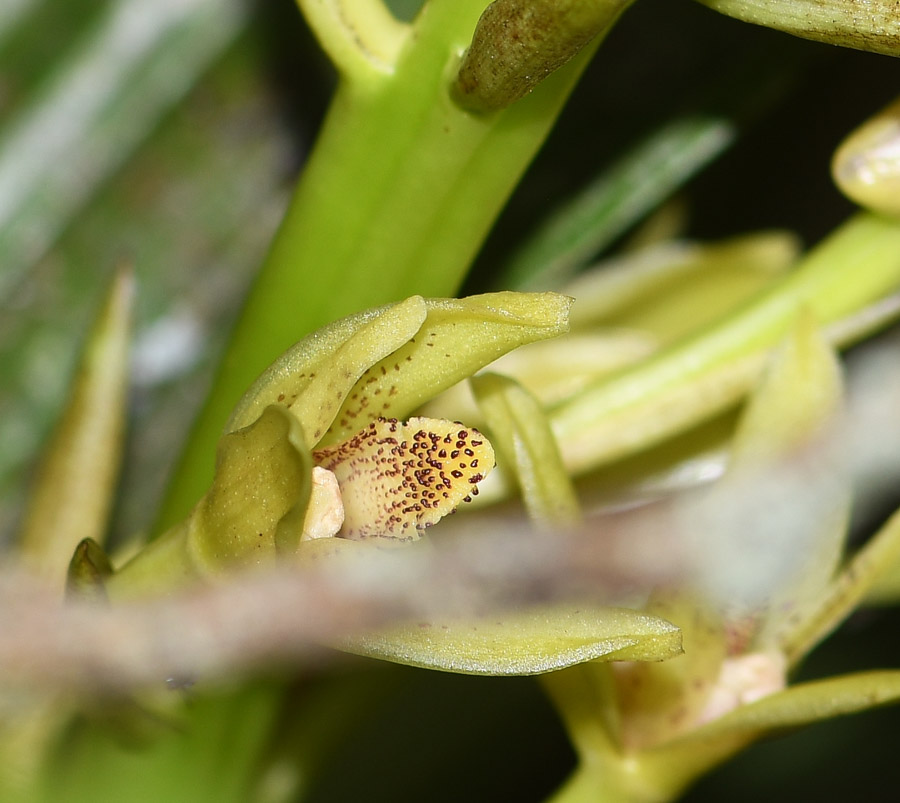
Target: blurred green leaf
617 199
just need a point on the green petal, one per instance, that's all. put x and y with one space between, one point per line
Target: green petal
786 426
457 338
709 371
670 289
805 703
797 399
313 378
255 507
74 490
523 439
524 642
551 369
866 166
398 478
872 25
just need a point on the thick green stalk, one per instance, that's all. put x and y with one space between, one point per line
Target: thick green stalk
400 191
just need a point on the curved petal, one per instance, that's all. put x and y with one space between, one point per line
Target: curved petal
458 337
313 378
524 642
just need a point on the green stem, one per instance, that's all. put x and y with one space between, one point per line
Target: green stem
396 199
585 696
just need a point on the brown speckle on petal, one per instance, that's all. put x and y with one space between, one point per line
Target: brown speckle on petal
391 484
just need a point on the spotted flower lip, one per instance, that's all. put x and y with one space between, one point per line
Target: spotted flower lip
398 478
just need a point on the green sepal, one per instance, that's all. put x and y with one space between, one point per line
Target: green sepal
788 428
458 337
313 377
521 435
528 642
672 288
686 758
88 570
513 642
262 475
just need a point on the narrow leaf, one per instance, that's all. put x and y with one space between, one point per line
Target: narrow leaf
75 485
617 199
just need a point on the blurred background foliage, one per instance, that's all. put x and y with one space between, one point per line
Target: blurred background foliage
168 133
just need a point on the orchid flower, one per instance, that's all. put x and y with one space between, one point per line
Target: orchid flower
767 582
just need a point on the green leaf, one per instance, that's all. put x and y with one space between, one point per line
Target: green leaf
101 99
74 491
617 199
